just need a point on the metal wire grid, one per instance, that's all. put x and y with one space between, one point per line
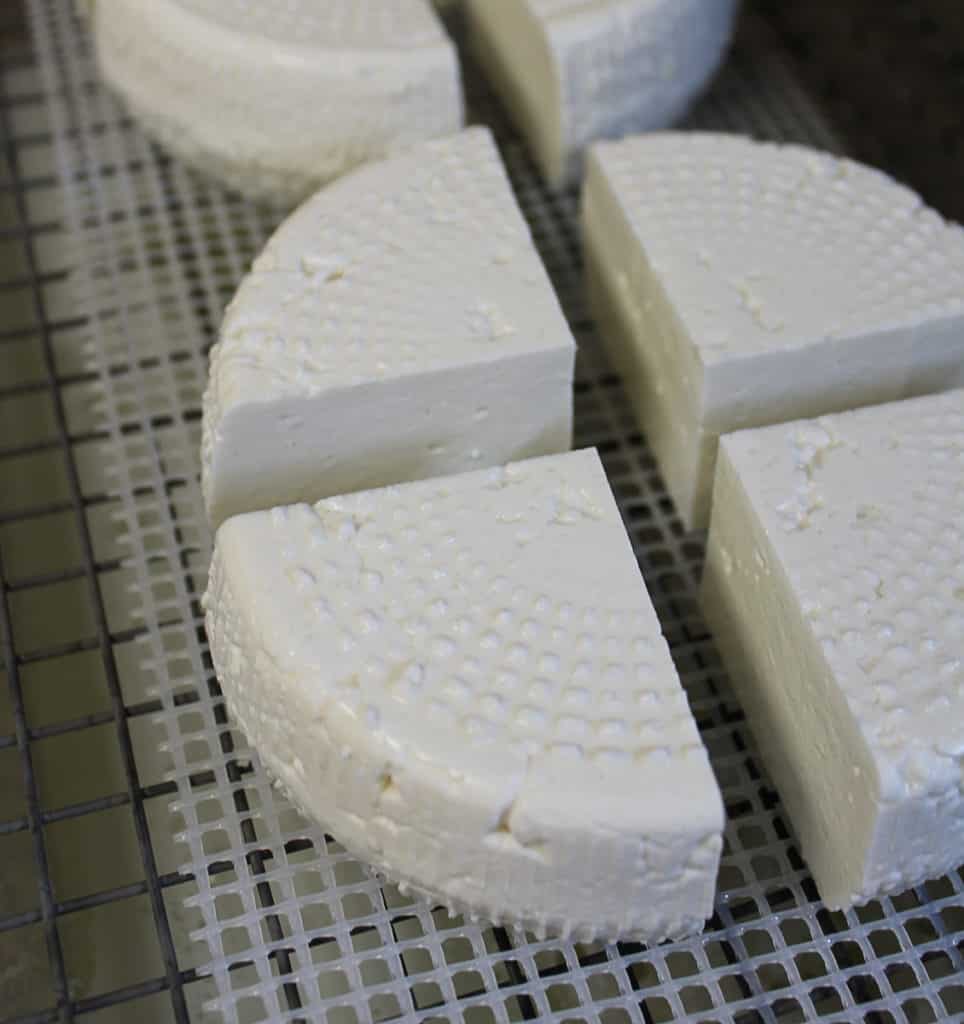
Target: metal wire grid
284 923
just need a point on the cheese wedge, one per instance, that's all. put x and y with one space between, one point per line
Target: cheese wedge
276 97
835 586
399 325
465 680
739 284
572 71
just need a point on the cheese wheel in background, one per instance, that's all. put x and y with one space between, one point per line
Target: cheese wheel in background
399 325
276 97
738 284
572 71
835 587
464 680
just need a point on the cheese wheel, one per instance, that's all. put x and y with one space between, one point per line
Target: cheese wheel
739 284
835 586
399 325
572 71
464 680
276 97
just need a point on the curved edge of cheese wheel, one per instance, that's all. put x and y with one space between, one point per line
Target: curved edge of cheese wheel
270 120
870 780
513 838
681 230
455 406
600 71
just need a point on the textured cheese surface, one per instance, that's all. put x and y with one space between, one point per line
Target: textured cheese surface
860 521
465 680
742 284
404 315
577 70
420 263
331 24
763 247
276 97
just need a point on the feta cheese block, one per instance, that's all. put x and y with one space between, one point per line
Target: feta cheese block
738 284
571 71
276 97
835 586
399 325
464 679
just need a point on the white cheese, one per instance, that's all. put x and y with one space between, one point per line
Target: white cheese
276 97
835 586
739 284
465 680
399 325
571 71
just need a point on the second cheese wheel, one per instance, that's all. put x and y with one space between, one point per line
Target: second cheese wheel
572 71
275 98
465 680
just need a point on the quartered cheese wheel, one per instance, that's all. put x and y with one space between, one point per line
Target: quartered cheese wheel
399 325
275 97
465 681
834 584
739 284
571 71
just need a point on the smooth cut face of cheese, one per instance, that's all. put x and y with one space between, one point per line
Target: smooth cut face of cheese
739 284
277 97
465 681
835 586
399 325
572 71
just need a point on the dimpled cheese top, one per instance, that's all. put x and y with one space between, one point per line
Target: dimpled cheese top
465 680
740 284
399 325
763 247
849 532
420 263
276 97
572 71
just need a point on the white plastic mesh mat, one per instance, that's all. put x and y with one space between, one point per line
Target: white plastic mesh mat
288 926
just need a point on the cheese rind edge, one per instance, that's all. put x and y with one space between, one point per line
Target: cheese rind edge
398 325
846 653
276 117
705 253
545 801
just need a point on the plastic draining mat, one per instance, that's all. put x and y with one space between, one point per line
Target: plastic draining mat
288 925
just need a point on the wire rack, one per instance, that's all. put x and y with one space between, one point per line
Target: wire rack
148 871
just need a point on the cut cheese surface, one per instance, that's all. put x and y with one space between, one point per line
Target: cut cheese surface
465 680
572 71
740 284
835 586
399 325
276 97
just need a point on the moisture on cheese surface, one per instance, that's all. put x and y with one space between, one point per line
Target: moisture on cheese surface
739 284
571 71
276 97
835 586
399 325
465 680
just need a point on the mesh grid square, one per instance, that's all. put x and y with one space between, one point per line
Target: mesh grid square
294 928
